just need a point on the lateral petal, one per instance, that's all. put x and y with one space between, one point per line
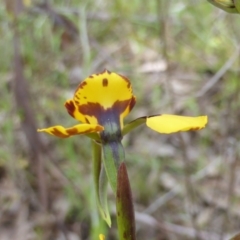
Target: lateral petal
60 131
173 123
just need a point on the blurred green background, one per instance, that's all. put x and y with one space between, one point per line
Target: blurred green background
182 57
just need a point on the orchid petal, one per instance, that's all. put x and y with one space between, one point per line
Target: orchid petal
60 131
172 123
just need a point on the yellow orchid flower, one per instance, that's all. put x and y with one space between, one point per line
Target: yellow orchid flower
100 103
103 100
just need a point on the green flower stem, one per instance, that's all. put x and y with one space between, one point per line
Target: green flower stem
113 153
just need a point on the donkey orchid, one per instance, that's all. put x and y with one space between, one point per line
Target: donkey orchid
103 100
100 103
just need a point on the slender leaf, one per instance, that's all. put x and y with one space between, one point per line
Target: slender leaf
100 182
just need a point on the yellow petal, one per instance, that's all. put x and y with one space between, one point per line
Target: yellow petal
173 123
62 132
100 94
101 237
104 88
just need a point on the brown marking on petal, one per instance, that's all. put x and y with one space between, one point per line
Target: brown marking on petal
132 103
105 82
72 131
76 96
85 97
127 80
77 102
91 76
58 133
86 120
82 84
99 128
107 116
70 108
104 115
195 129
96 129
90 109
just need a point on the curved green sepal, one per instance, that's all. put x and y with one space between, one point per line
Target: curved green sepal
113 155
99 183
135 123
103 183
124 205
227 7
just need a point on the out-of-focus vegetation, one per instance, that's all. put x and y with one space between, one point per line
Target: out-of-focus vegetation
182 58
